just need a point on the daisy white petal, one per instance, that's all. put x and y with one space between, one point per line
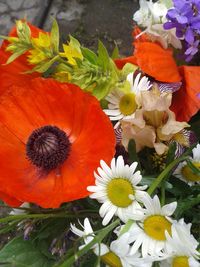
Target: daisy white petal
152 225
116 188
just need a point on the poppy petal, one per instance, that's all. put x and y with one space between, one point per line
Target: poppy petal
13 73
186 102
156 62
120 62
47 102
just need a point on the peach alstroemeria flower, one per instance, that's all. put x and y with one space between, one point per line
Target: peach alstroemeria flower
154 124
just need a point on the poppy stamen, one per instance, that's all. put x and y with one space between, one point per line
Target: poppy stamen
48 147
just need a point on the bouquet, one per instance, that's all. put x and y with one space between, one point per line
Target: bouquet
100 154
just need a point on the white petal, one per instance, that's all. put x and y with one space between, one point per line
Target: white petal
169 209
109 215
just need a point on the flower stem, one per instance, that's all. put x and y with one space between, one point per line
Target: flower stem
164 173
97 240
39 216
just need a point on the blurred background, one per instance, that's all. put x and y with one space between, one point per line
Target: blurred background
87 20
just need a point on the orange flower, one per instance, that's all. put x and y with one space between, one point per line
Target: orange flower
186 102
13 73
156 62
52 138
160 64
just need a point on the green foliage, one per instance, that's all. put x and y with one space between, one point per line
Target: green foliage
21 253
54 36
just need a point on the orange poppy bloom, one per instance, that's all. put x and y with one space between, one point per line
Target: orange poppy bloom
185 102
52 138
159 63
13 73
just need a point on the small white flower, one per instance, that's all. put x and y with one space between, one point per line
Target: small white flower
123 105
181 246
138 84
121 248
116 187
88 236
149 232
184 172
152 16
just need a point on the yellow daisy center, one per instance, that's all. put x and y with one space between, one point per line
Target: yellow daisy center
155 226
111 259
118 191
181 261
188 173
127 104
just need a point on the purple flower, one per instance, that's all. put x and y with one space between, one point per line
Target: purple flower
192 50
185 18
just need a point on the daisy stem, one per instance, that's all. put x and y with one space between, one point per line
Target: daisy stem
39 216
96 240
164 173
163 193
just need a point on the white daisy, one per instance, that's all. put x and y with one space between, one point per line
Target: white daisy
149 232
184 172
121 249
116 187
181 246
123 105
88 235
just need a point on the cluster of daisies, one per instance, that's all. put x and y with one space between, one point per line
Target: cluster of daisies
148 232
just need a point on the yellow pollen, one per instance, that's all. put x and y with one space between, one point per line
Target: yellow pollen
181 261
188 173
155 226
111 259
127 104
118 191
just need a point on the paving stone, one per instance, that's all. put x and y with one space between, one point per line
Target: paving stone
11 10
90 20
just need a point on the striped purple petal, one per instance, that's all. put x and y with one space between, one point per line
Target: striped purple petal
118 134
169 87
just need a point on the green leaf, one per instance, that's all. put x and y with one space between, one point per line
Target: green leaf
115 53
103 59
16 55
186 204
44 66
21 253
128 68
89 55
55 36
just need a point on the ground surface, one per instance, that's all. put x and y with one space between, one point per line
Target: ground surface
87 20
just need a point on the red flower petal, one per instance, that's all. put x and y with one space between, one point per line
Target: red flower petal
120 62
47 102
185 101
13 73
10 200
156 62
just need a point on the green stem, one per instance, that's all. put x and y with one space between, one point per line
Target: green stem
39 216
163 194
163 174
97 240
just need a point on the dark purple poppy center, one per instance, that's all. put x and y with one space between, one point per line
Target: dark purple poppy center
48 147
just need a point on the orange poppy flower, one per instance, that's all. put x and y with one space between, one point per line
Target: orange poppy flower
152 59
185 102
52 138
13 73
